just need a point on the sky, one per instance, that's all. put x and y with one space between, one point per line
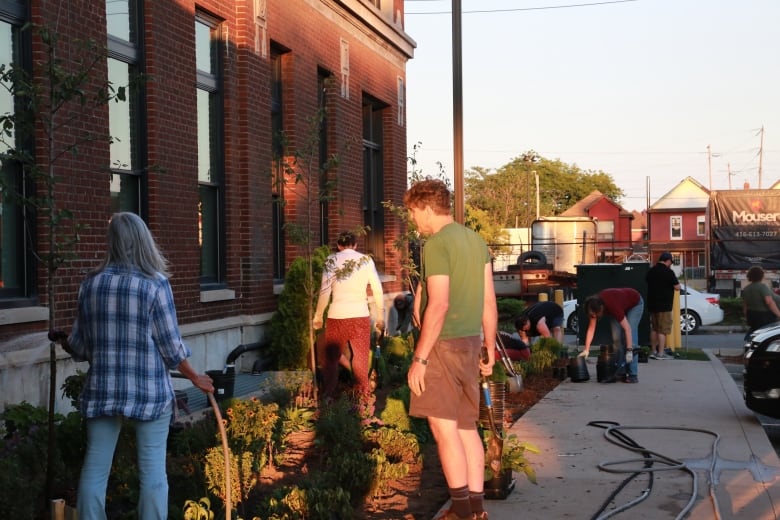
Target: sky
637 89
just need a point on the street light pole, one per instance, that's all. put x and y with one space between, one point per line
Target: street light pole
536 178
457 110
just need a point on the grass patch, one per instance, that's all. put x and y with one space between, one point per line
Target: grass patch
691 354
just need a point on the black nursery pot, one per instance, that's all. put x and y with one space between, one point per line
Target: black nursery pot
500 486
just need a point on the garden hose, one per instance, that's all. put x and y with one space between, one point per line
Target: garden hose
614 433
226 456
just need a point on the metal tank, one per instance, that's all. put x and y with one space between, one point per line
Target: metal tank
565 241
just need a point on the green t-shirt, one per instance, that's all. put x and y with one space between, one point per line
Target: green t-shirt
754 294
461 254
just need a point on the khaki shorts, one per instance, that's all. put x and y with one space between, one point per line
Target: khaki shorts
451 383
661 322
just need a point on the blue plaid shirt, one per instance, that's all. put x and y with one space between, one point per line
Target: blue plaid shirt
127 330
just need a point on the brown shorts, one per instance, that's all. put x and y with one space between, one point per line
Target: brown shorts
451 383
661 322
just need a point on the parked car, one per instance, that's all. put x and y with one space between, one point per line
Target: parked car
761 383
696 309
570 319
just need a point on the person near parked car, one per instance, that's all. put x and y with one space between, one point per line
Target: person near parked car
346 276
454 302
662 284
543 319
758 303
126 329
623 307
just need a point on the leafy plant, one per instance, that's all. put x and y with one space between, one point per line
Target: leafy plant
514 457
200 510
73 386
250 426
243 477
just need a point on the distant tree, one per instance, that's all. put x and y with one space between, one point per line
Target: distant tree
508 194
492 233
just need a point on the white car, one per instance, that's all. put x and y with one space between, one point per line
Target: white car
696 309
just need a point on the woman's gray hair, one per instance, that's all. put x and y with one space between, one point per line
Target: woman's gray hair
130 243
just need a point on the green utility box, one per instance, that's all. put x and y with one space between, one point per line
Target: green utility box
592 278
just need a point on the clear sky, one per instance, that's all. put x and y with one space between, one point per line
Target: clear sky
637 89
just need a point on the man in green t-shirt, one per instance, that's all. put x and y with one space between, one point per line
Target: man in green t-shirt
455 302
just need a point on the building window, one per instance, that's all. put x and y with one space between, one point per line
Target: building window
675 228
17 232
401 101
323 77
125 118
700 228
344 47
373 180
277 168
210 168
605 230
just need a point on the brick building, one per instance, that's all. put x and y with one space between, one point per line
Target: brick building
236 100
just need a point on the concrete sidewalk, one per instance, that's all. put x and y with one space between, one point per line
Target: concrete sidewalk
689 412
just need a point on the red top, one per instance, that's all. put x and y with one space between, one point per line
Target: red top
617 301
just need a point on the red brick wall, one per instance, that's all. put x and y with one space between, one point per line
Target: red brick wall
313 41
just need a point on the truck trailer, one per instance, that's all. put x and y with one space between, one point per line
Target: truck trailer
744 232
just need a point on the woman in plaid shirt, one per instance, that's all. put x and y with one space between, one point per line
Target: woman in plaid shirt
127 330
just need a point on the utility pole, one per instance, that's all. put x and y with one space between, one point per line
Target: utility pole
761 157
729 166
457 110
709 164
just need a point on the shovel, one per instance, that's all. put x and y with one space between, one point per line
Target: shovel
495 444
515 380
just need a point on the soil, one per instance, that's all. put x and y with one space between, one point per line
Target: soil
423 492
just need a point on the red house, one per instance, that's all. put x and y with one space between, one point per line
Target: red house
677 223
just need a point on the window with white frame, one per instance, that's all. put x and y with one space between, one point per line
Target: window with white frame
675 227
605 230
700 226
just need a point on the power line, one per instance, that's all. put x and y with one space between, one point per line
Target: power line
568 6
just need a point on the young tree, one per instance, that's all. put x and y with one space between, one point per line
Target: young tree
307 178
54 103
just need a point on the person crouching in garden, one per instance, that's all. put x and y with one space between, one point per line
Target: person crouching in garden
623 307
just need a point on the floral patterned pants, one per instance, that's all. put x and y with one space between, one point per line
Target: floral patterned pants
340 335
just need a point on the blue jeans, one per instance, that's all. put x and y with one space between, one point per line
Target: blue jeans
151 438
633 315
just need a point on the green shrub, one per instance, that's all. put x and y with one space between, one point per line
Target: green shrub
289 326
508 311
732 311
